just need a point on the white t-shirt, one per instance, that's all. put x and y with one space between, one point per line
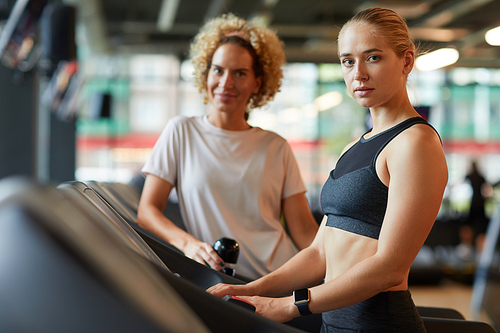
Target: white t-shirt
230 184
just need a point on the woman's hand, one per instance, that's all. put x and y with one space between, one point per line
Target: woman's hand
203 253
278 309
221 290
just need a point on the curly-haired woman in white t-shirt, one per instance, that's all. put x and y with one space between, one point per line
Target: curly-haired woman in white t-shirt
232 180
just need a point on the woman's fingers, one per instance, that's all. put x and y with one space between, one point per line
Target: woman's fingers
221 290
204 254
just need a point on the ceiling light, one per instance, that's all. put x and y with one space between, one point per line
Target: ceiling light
166 17
492 36
437 59
328 100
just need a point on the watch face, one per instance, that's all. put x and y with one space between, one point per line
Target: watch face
301 295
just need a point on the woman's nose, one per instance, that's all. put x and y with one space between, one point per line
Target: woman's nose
360 73
226 81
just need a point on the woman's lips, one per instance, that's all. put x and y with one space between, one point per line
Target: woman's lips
225 97
363 91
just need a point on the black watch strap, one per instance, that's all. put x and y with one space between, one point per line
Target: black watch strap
301 300
304 309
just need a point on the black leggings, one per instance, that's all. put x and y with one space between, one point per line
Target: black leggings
391 311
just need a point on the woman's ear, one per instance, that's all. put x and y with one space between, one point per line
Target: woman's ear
409 61
258 84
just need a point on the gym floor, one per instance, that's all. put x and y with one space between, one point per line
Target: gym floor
448 294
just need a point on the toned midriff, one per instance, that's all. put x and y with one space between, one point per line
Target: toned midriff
344 250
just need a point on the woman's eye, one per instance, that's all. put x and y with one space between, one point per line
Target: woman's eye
347 62
373 58
217 70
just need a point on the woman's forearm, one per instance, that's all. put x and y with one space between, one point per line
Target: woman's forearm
304 270
153 220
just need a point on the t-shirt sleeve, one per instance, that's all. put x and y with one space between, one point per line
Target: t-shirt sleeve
163 161
293 183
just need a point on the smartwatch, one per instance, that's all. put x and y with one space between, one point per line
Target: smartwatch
301 300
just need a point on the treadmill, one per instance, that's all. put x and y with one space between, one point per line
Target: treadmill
64 270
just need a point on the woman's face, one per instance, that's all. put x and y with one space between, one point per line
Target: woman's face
231 79
375 76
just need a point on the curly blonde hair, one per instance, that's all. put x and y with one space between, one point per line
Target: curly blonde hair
267 46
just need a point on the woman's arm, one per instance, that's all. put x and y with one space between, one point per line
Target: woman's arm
150 216
307 268
299 219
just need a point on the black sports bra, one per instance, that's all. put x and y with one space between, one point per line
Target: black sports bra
354 198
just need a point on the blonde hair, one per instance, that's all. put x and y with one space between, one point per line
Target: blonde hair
270 56
386 24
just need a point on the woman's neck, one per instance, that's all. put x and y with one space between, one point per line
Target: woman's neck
384 119
228 121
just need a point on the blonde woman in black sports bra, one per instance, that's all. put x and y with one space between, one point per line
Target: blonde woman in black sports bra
380 201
